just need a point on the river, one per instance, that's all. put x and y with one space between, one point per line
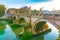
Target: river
8 34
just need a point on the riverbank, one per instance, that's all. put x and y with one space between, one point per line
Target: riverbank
44 32
57 25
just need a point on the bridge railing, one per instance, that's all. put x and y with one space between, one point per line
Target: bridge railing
52 16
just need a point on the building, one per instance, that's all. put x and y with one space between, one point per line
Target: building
25 10
21 10
11 11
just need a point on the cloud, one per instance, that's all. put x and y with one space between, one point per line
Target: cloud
22 1
54 4
46 5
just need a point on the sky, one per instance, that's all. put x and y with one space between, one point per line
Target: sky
35 4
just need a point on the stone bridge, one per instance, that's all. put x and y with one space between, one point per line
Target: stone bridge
35 18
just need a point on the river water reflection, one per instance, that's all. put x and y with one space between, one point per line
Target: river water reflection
53 34
8 34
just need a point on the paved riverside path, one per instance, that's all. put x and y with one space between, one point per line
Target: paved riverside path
56 23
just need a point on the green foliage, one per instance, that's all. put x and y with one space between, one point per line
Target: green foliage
16 28
2 32
26 36
39 25
39 37
58 36
2 25
2 10
35 11
7 20
14 18
58 39
10 21
1 13
22 21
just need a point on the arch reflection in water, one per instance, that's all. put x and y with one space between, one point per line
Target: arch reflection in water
50 35
8 35
53 34
41 35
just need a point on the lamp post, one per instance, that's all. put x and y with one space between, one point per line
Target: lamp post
29 21
41 12
54 14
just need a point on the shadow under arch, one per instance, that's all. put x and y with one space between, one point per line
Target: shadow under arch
48 22
22 19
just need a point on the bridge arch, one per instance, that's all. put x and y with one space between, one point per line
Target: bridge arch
46 21
25 18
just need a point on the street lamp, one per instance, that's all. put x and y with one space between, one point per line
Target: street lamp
41 12
54 14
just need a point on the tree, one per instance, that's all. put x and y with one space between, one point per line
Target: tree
2 10
35 11
58 36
